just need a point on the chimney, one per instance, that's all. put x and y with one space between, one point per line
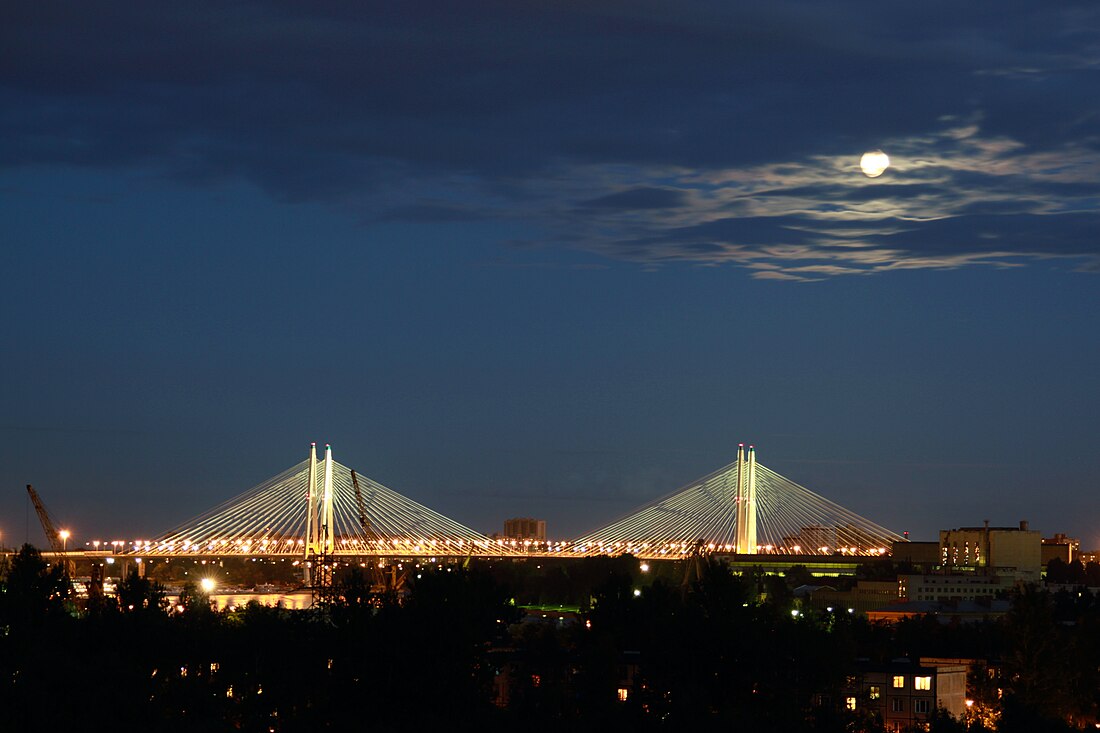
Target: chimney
1023 525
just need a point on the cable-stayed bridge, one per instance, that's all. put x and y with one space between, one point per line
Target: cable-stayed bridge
744 508
320 507
324 510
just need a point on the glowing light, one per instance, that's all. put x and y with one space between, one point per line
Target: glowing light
874 163
207 584
644 567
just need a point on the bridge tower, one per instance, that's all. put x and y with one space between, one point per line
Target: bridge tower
328 526
746 500
320 542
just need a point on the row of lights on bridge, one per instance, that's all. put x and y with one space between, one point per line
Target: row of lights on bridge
119 545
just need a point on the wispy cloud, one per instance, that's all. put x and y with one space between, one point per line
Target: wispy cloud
655 133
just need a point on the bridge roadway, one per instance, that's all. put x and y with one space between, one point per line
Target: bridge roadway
818 564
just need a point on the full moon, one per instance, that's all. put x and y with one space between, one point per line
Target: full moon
874 163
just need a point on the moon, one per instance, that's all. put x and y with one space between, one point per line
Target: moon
874 163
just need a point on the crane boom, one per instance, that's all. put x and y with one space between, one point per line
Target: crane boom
363 521
377 574
52 535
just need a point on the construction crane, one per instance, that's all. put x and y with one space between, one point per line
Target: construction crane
56 539
395 582
368 533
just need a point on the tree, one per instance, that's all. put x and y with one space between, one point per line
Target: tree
195 601
137 594
1057 571
1040 662
798 575
34 592
1092 575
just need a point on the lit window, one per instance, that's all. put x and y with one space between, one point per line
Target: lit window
623 694
850 703
922 683
922 706
899 681
875 692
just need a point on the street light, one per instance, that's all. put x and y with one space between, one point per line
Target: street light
64 535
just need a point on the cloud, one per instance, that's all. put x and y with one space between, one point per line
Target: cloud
638 198
708 133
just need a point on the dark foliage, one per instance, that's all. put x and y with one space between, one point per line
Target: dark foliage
689 648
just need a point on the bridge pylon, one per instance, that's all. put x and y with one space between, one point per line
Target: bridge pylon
320 540
746 500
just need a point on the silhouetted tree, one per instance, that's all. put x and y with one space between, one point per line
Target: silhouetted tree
137 594
33 592
1042 668
799 575
1057 571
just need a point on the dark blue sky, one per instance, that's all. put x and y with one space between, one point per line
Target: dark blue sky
550 259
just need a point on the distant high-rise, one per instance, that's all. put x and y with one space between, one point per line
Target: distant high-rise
525 528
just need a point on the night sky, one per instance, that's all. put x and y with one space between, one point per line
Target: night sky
550 258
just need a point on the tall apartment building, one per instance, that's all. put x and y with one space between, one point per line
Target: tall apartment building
525 528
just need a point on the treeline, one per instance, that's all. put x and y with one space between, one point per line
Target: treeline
698 648
1073 573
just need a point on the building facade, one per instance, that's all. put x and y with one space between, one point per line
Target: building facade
951 588
1066 549
905 695
525 528
1010 551
864 596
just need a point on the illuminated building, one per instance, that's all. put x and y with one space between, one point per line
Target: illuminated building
1066 549
906 695
1011 551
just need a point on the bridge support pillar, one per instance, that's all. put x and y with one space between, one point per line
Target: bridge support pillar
320 543
746 500
328 527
